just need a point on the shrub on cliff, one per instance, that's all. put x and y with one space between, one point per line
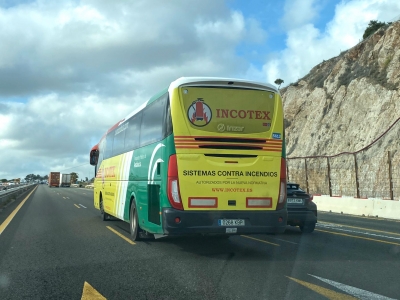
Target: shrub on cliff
373 26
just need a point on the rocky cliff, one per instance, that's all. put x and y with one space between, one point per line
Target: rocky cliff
344 103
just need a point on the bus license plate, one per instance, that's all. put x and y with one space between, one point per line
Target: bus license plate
231 222
293 200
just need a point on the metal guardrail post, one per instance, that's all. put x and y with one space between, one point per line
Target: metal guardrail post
287 170
305 165
356 171
390 176
329 177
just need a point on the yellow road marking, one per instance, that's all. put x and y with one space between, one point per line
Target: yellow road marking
388 232
249 237
322 291
4 225
359 237
76 205
121 236
90 293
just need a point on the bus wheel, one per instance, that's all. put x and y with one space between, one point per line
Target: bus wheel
134 228
104 216
307 228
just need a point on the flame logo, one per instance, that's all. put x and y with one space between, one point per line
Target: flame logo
199 113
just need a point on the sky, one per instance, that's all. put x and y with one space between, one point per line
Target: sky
69 70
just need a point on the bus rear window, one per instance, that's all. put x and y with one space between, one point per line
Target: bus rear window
240 111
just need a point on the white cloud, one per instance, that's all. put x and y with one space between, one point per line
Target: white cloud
307 46
299 13
84 65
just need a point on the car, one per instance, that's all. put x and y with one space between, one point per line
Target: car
302 211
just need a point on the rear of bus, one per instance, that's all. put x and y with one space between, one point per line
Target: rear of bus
228 175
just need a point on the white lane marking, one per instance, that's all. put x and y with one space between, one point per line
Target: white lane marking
356 292
82 205
340 228
67 197
64 198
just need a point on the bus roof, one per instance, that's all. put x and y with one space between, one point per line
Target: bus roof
221 81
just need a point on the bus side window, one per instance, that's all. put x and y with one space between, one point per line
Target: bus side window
168 120
132 134
109 144
152 122
118 146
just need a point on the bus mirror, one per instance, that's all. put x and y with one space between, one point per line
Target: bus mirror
94 156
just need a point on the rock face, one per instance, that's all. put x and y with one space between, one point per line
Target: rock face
343 105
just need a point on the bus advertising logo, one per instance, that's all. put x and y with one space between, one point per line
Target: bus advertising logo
199 113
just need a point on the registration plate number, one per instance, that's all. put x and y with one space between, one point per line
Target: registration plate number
293 200
231 222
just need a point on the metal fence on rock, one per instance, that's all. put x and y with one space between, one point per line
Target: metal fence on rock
371 172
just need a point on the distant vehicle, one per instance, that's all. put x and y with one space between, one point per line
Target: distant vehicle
302 211
204 156
65 180
54 179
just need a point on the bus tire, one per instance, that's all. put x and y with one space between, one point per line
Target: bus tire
104 216
134 228
307 228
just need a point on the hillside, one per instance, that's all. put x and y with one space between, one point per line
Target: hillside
344 103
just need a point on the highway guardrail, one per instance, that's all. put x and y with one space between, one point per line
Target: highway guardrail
9 194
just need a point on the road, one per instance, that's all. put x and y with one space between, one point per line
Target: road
57 247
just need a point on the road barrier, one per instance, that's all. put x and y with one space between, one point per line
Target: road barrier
8 195
359 207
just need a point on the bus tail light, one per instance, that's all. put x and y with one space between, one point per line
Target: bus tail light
174 196
258 202
282 187
203 202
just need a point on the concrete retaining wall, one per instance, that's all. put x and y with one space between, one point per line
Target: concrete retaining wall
362 207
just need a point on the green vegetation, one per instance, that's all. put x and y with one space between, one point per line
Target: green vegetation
74 177
279 82
373 26
387 61
32 177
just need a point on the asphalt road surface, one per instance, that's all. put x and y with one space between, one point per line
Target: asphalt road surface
57 247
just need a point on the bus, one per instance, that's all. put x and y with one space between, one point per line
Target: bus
205 156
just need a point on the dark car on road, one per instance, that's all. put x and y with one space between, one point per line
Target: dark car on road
302 211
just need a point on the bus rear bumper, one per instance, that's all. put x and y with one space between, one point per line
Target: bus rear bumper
199 222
